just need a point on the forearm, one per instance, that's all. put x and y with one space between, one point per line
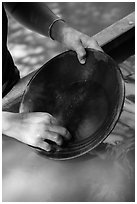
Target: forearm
34 15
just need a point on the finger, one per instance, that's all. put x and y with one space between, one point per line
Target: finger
98 48
49 119
59 130
52 136
94 44
90 42
44 146
81 53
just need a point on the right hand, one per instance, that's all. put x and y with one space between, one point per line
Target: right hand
34 128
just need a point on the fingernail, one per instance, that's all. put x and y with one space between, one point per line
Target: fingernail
82 61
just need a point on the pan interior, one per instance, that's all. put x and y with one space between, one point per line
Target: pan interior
81 107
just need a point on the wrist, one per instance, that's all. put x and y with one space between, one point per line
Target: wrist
10 122
57 30
6 121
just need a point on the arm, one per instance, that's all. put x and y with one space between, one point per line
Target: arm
38 17
35 16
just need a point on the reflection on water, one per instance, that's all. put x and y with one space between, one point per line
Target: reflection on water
106 176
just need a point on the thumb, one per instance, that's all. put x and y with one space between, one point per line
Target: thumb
81 54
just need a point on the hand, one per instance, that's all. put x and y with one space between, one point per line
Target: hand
34 128
74 40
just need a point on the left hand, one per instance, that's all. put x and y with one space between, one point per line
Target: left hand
74 40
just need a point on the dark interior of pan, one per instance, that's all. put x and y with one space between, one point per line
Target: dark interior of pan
86 99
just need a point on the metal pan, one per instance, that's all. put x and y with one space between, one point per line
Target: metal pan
86 99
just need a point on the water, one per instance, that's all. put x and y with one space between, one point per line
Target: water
31 177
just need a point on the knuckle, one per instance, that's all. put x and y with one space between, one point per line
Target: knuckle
47 119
